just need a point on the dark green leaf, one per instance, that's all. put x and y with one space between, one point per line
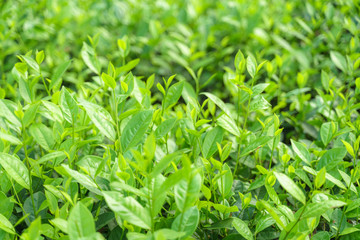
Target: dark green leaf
242 228
135 129
212 137
254 145
173 94
331 158
60 70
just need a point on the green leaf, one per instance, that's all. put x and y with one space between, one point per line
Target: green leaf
339 60
10 138
301 151
258 103
320 178
30 114
222 224
331 158
263 223
357 83
101 118
318 208
55 110
32 63
24 90
272 193
33 232
8 114
161 88
80 223
172 180
326 132
165 127
60 223
242 228
42 135
166 233
325 80
257 143
165 161
272 212
259 88
6 205
6 225
212 137
150 146
251 65
290 187
108 80
52 201
84 180
89 57
120 186
187 222
327 176
51 156
126 68
347 179
19 70
187 192
59 71
349 148
15 169
304 177
228 124
173 94
128 209
68 106
322 235
349 230
40 57
135 129
218 103
225 181
156 196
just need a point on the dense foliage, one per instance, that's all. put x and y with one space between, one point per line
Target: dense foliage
143 120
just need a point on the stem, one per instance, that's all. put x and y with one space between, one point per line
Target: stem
43 80
73 141
297 220
238 113
98 210
116 118
18 199
346 199
272 152
197 87
240 138
29 169
150 208
247 107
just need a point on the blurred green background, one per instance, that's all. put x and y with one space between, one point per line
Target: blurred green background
168 35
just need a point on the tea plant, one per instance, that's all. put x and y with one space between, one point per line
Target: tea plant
200 142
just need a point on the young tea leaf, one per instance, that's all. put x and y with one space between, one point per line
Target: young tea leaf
135 129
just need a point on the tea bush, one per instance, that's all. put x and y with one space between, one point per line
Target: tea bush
143 119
